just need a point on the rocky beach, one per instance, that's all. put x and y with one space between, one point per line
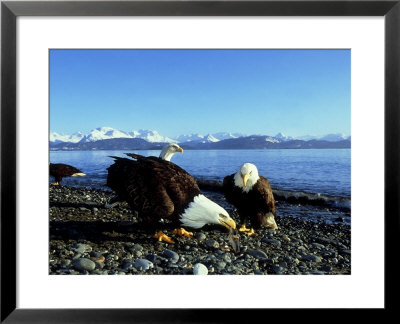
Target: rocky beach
87 238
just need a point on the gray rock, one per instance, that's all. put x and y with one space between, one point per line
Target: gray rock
311 257
278 269
65 263
258 254
84 264
200 269
171 255
82 248
200 236
272 242
220 265
136 248
210 243
143 264
317 246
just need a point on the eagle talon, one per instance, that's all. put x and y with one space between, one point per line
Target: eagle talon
163 237
182 232
243 228
251 232
55 184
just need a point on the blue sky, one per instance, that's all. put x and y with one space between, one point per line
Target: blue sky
297 92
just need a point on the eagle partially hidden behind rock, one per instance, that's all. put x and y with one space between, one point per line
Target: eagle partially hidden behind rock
252 195
157 188
61 170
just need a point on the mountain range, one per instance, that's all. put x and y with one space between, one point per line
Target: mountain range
104 138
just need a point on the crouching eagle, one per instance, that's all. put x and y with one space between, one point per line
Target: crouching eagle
157 188
252 195
60 170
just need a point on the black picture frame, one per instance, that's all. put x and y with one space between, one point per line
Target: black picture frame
10 10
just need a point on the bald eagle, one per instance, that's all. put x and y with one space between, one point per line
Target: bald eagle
60 170
169 150
158 189
252 195
166 154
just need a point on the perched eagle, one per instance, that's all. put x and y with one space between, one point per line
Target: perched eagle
166 154
157 189
60 170
169 150
252 195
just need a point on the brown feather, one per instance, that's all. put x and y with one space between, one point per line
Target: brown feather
60 170
254 204
154 187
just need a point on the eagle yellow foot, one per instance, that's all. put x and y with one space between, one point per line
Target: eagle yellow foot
243 228
55 184
249 232
163 237
182 232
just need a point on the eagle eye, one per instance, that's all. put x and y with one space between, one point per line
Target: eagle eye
223 216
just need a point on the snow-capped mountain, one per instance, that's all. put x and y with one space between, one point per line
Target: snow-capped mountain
283 137
225 135
189 138
58 138
150 136
102 133
334 137
329 137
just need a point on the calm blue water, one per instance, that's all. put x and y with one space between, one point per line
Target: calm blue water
315 171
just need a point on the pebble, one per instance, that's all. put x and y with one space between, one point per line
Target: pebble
200 236
297 247
82 248
84 264
258 254
273 242
200 269
143 264
210 243
311 257
171 255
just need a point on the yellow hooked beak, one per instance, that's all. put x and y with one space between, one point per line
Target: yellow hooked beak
180 149
245 178
227 222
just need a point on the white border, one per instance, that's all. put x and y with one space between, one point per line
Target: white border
363 288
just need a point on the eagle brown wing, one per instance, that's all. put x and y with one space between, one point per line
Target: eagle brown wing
154 187
60 170
263 197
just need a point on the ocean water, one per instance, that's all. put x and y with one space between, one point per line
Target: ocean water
323 171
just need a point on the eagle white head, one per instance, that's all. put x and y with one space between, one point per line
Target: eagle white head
246 177
169 150
202 211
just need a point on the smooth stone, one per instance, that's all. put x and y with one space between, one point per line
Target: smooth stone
200 236
137 248
318 246
271 242
82 248
143 264
210 243
171 255
258 254
65 263
311 257
84 264
221 265
278 269
200 269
